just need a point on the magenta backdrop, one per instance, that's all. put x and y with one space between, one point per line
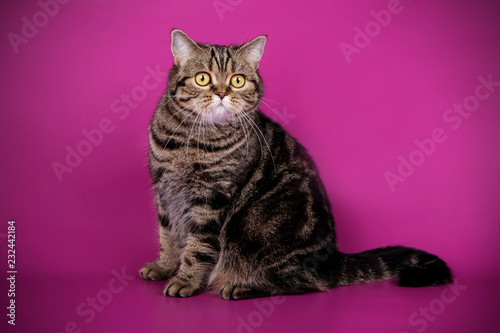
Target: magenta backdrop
397 101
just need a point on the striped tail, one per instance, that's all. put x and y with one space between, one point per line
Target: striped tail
414 268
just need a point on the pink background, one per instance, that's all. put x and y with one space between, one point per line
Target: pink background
356 115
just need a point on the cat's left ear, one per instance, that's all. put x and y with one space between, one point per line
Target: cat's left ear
183 47
254 49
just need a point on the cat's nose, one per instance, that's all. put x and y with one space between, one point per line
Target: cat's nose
221 94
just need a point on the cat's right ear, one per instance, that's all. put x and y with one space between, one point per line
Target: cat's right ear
183 47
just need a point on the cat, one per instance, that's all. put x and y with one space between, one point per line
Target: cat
241 208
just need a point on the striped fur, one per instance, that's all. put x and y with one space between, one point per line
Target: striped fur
241 208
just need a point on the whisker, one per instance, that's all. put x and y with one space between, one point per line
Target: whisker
166 144
270 100
274 110
264 138
245 117
234 124
176 112
254 126
245 132
191 132
204 140
165 102
244 37
198 138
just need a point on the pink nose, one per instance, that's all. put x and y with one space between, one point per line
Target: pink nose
221 94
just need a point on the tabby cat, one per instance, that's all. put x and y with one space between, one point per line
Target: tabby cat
241 208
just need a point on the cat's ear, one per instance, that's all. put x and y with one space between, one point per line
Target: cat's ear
254 49
183 47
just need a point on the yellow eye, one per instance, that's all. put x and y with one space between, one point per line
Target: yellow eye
202 79
237 81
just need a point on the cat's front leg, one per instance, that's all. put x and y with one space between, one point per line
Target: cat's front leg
200 256
165 266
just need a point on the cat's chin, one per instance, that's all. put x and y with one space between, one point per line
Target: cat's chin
218 114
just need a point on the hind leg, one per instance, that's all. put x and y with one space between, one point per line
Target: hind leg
233 292
288 285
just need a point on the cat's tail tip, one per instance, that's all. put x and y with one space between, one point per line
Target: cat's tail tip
433 273
412 267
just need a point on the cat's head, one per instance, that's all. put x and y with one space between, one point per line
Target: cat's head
215 83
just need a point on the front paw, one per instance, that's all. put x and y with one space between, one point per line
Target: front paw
154 272
179 287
